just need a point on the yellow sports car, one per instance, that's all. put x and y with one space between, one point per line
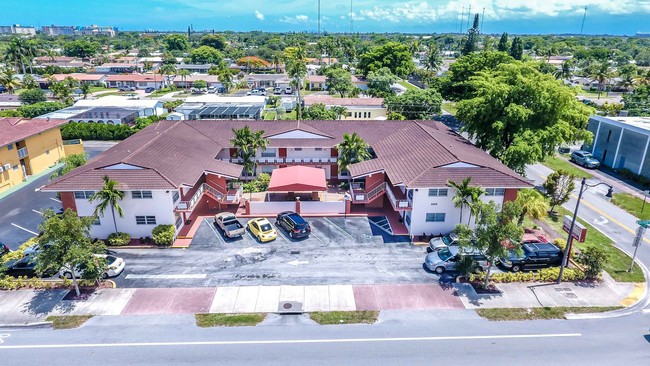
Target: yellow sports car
262 229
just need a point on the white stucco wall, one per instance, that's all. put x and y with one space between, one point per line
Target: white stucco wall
160 206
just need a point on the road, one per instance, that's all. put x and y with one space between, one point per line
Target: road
20 212
399 338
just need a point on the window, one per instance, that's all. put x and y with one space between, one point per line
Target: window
438 192
408 219
16 167
495 191
83 195
609 135
10 147
141 194
268 153
176 196
436 217
409 194
47 152
319 149
145 220
298 149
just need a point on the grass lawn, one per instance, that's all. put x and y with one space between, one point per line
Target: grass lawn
632 204
449 107
95 89
161 92
269 115
590 94
344 317
407 85
556 163
291 116
617 262
107 94
68 321
228 320
540 313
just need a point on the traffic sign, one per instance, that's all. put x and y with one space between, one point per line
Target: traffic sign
644 223
640 231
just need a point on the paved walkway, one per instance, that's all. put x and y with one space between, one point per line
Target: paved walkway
28 306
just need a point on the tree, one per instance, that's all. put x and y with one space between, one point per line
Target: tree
62 90
456 86
108 196
242 142
503 43
394 116
65 243
167 70
502 120
176 42
339 111
184 73
532 203
200 84
32 96
566 71
433 60
352 150
380 82
9 80
206 55
339 81
638 102
81 48
594 260
494 228
85 89
19 52
517 48
225 77
471 43
296 69
417 104
475 204
258 142
39 109
29 82
215 41
393 55
70 163
253 63
602 73
462 195
612 109
318 112
558 187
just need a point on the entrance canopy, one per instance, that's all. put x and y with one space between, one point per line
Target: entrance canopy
298 179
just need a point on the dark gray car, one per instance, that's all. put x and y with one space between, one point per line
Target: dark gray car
445 259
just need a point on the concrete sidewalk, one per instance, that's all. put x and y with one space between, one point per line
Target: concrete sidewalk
32 306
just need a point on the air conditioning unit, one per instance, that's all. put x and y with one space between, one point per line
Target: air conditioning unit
7 166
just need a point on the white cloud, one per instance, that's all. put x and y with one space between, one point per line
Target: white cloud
295 20
259 15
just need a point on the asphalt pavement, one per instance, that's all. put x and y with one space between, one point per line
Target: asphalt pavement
21 211
399 338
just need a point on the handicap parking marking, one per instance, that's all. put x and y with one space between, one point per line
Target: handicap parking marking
216 232
340 229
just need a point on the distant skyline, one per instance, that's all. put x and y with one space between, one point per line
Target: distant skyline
622 17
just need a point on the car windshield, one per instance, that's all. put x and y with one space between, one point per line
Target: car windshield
266 227
513 255
444 254
447 240
110 259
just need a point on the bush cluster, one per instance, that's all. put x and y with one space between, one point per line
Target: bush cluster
118 239
11 283
543 275
95 131
163 235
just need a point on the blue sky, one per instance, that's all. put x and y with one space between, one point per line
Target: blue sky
513 16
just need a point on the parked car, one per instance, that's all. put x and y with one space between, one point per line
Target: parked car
132 96
4 249
294 224
228 222
128 88
33 249
149 90
445 259
25 266
277 91
115 267
262 229
256 92
534 256
443 241
288 90
585 159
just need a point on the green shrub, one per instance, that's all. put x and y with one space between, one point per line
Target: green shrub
593 259
95 131
118 239
163 234
39 109
543 275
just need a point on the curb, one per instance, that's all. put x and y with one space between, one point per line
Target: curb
635 295
35 325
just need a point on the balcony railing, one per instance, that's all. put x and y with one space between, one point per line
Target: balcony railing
279 160
360 195
398 204
22 152
72 142
230 196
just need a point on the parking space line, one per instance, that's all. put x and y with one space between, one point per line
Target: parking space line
216 233
22 228
340 229
55 200
316 236
38 212
252 237
281 234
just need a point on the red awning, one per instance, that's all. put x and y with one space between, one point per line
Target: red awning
298 179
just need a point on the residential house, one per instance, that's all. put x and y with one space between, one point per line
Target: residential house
357 108
267 80
29 147
94 79
139 81
118 68
212 106
172 170
319 82
9 101
113 110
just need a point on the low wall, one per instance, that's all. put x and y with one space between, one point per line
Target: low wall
260 208
73 147
316 207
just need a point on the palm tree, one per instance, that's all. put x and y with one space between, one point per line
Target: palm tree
433 61
9 80
463 194
184 74
532 203
167 70
297 69
108 196
29 82
642 78
276 59
602 74
258 141
352 150
340 111
17 53
566 71
243 143
476 203
225 77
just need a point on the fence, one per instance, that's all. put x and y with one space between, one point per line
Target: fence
324 208
260 208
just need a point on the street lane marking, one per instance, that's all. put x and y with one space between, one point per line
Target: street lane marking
55 200
22 228
38 212
292 341
166 277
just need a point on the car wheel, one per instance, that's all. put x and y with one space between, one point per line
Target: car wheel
105 275
67 275
478 269
516 268
259 237
291 234
440 270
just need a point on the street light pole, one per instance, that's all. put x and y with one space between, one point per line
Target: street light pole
567 250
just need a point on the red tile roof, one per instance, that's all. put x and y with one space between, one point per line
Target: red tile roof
412 153
16 129
346 102
79 77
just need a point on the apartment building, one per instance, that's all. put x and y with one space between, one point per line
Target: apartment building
357 108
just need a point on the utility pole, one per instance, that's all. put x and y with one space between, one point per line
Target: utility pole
583 21
351 19
482 20
319 17
462 17
469 12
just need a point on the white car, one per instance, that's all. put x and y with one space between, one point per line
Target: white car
115 267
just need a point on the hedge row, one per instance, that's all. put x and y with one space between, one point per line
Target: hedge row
95 131
543 275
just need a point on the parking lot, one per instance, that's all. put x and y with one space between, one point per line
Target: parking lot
338 251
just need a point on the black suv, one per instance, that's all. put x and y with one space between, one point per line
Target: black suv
535 256
293 223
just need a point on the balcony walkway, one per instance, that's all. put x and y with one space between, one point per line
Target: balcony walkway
387 210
